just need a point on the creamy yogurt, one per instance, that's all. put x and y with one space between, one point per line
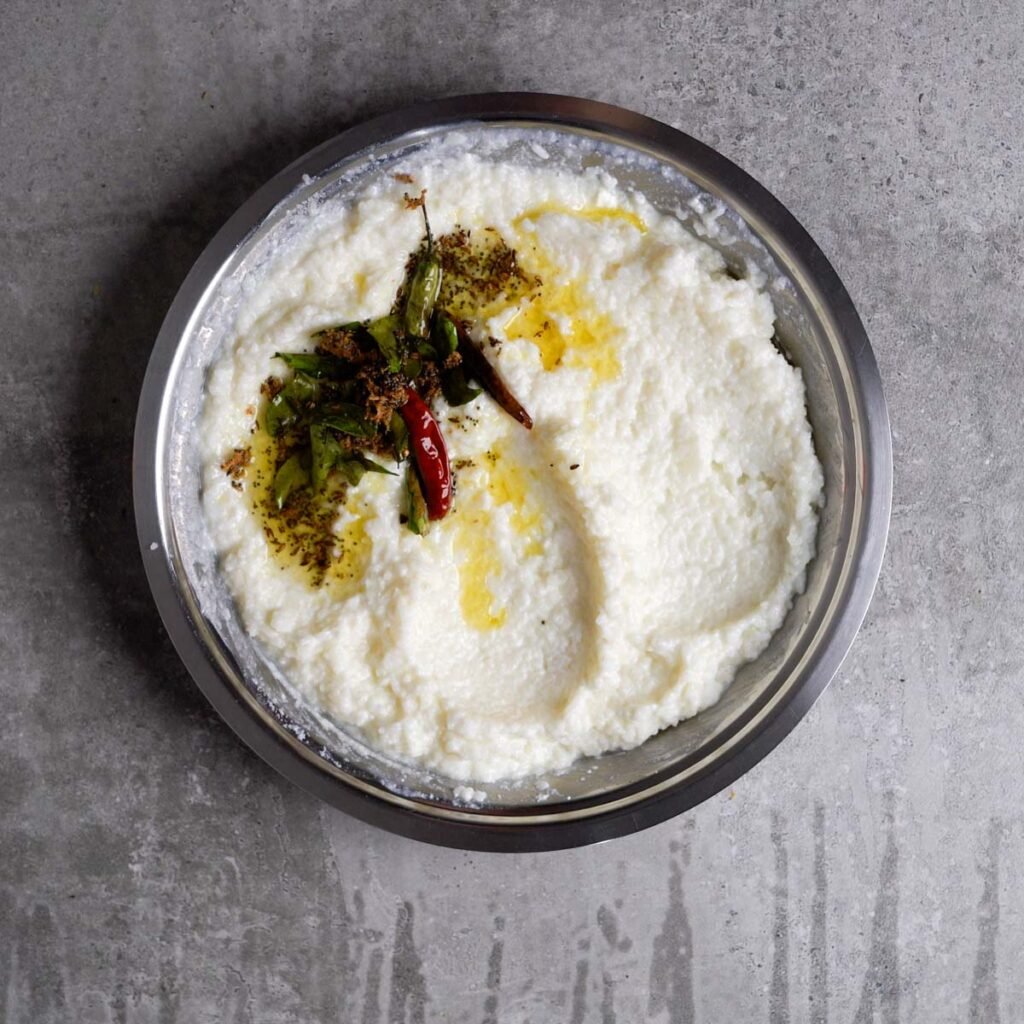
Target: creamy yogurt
600 577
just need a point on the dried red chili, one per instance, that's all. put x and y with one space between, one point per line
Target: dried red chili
430 453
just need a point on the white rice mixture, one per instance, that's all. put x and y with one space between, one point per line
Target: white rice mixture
600 577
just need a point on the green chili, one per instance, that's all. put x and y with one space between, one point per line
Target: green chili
417 518
424 287
399 437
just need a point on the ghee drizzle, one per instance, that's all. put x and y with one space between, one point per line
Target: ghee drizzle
307 542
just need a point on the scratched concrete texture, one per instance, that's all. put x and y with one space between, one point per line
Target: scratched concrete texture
153 870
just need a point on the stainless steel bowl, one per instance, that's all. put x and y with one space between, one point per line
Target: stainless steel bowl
598 798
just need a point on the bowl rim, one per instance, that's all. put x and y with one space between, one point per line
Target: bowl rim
595 819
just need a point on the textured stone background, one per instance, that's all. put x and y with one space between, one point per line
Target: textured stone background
151 869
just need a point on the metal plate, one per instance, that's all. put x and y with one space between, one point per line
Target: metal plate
598 798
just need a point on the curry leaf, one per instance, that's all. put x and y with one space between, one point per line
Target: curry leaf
291 475
278 415
346 418
326 453
456 390
382 330
313 363
445 336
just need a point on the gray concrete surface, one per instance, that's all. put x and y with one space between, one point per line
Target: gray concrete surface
151 869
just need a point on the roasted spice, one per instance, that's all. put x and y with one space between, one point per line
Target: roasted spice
271 387
343 343
234 465
479 271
